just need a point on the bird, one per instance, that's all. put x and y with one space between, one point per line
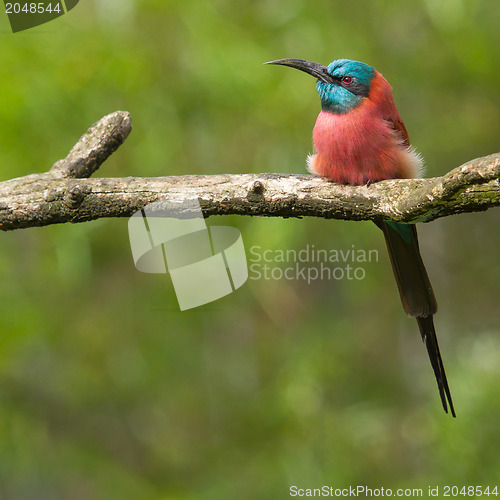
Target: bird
359 138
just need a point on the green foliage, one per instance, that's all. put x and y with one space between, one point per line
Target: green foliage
107 390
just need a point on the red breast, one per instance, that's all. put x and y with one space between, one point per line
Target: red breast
368 143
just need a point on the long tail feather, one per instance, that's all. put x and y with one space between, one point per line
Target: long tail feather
416 294
428 333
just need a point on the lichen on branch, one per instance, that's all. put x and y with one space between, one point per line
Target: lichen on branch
66 193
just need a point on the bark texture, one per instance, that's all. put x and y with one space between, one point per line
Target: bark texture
66 193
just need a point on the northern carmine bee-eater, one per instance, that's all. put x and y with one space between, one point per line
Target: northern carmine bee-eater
359 138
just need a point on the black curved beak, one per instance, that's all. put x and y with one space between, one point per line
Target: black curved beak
315 69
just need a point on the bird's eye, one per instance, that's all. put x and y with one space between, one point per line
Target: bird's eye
347 79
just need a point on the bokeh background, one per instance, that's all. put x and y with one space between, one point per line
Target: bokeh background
108 391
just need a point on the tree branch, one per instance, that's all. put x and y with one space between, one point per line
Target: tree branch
66 194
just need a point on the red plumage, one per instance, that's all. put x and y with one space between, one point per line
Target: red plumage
367 144
359 137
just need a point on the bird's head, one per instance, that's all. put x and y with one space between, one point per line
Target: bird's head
342 85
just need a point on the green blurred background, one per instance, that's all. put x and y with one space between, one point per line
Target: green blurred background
108 391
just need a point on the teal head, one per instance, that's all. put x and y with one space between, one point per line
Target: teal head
342 85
